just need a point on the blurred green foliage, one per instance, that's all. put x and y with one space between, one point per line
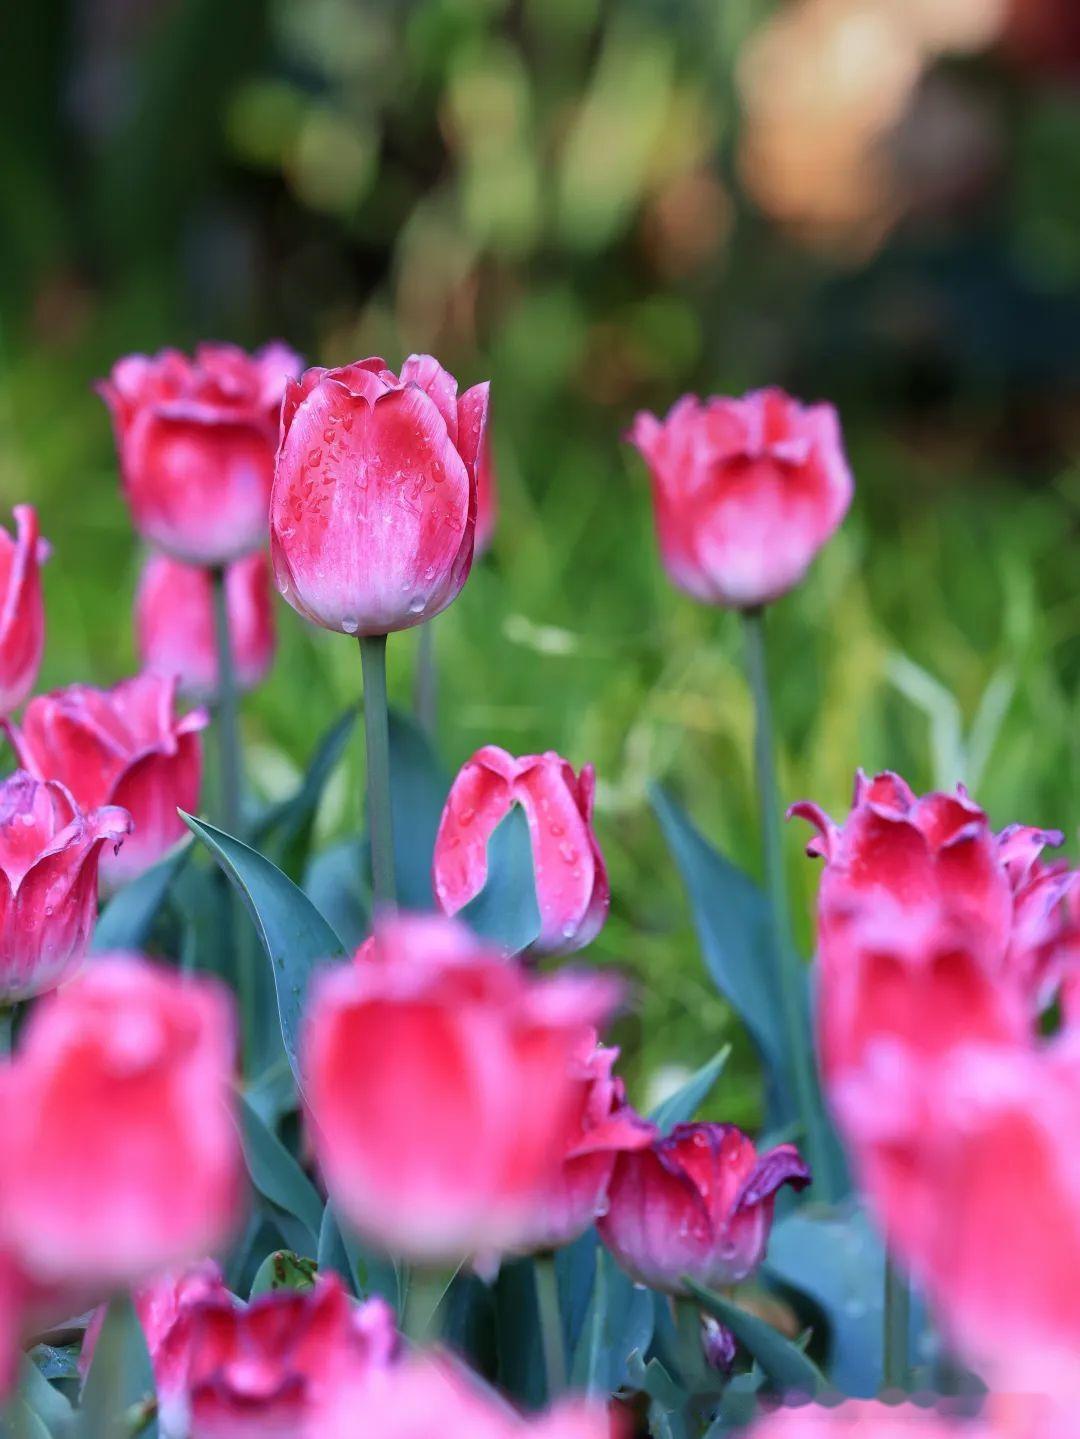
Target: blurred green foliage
548 192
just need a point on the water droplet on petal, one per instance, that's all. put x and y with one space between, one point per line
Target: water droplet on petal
466 815
568 852
314 458
416 604
350 624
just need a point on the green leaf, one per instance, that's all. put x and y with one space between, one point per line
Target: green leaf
47 1402
517 1319
56 1361
276 1174
294 934
369 1273
127 919
285 831
120 1373
418 790
680 1107
784 1363
334 884
505 912
283 1270
24 1422
618 1324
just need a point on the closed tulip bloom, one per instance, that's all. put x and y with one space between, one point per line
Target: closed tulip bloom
49 856
174 622
121 1154
123 746
22 611
439 1145
373 512
698 1202
571 880
746 491
196 440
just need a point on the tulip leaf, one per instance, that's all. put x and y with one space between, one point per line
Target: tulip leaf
276 1174
334 885
294 934
127 919
285 830
784 1362
680 1107
283 1270
619 1322
366 1273
521 1351
418 789
505 911
47 1402
120 1375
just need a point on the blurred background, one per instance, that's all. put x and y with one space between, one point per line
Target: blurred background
600 206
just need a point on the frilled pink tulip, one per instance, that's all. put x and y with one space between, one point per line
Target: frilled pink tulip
602 1127
122 746
745 492
571 881
442 1141
196 440
174 622
698 1202
121 1156
49 855
160 1303
22 611
373 512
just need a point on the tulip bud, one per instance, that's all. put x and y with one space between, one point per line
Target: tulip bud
746 491
196 440
174 619
22 612
699 1203
571 881
373 512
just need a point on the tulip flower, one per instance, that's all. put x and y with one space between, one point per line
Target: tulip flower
572 890
49 856
487 498
123 746
696 1203
174 621
22 612
196 440
868 1419
443 1141
121 1157
746 491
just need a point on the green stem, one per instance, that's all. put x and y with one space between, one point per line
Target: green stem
551 1330
7 1025
788 967
377 735
897 1323
426 683
427 1289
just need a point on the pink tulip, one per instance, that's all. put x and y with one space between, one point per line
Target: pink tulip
124 746
22 612
745 492
868 1419
121 1155
196 440
49 855
29 1307
571 881
373 512
440 1144
174 620
487 498
699 1203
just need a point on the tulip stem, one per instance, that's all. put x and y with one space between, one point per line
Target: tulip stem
377 735
7 1025
426 683
228 731
897 1322
551 1330
789 975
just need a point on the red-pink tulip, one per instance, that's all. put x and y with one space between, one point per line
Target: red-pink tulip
571 881
442 1141
49 855
174 621
22 611
746 491
373 512
121 1156
698 1202
602 1127
123 746
196 440
868 1419
487 497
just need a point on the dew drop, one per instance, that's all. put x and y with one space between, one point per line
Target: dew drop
416 605
350 624
466 815
557 830
568 852
314 458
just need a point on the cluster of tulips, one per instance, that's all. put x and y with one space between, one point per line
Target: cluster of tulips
459 1115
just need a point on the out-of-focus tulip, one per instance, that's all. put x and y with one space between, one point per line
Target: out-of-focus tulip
571 881
174 621
196 440
159 1304
49 855
699 1203
442 1142
867 1419
373 512
121 1155
603 1126
746 491
30 1307
487 497
122 746
22 612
